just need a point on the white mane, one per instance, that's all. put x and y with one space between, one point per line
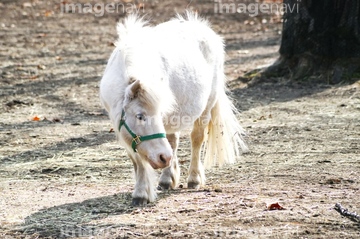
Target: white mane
137 45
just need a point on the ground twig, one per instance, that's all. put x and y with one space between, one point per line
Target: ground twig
344 212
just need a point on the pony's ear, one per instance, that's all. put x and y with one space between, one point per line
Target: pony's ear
132 90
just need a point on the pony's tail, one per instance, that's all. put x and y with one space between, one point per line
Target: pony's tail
225 135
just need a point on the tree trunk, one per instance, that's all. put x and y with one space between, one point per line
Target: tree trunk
320 38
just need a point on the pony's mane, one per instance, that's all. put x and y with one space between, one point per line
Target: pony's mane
135 40
130 25
131 33
191 17
157 95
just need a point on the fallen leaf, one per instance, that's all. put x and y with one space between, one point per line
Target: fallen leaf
48 13
275 206
36 118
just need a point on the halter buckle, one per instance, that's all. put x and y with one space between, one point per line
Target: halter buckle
137 139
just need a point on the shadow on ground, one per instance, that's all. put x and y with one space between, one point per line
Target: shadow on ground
278 90
73 219
43 153
79 219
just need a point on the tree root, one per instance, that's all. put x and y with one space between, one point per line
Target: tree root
308 67
345 213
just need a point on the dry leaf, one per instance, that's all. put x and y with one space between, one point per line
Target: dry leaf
48 13
36 118
275 206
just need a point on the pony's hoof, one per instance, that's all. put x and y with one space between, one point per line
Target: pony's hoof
164 186
193 185
139 202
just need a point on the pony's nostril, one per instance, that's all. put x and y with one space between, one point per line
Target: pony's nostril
163 159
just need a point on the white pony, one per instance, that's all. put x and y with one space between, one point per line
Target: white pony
164 79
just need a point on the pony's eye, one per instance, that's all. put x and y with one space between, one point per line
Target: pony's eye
141 117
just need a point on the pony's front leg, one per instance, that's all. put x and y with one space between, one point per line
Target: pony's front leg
196 170
145 190
170 176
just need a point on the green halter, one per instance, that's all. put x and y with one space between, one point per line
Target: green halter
137 139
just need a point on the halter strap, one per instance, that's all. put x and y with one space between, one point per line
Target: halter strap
137 139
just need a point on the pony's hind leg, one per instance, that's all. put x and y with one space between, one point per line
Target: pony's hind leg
170 176
196 170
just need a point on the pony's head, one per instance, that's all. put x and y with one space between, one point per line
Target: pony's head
141 126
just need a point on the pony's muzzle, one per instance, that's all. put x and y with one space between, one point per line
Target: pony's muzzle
161 160
164 160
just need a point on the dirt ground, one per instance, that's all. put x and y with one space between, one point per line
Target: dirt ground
63 175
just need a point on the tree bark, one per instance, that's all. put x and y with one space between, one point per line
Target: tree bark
320 37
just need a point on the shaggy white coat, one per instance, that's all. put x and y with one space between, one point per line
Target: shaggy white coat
173 74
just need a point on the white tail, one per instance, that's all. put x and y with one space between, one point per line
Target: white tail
225 135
